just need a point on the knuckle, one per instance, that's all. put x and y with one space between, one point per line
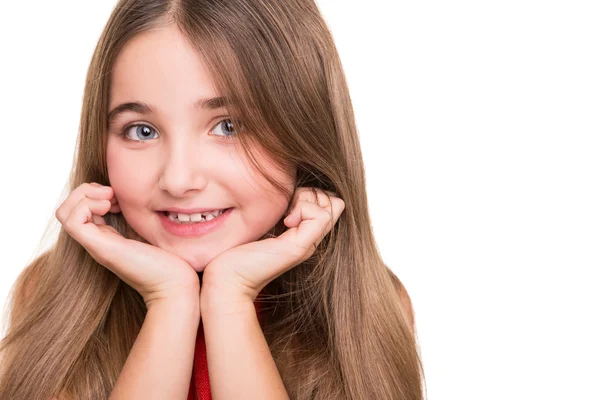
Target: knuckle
58 214
69 224
328 227
70 220
303 192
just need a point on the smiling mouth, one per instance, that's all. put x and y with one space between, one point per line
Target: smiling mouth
183 219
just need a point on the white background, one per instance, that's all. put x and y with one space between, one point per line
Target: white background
479 123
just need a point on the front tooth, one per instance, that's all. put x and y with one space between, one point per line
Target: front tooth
196 217
183 217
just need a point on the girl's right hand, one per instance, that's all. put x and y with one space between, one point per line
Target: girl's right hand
152 272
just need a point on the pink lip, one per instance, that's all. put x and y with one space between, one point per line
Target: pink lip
190 230
190 210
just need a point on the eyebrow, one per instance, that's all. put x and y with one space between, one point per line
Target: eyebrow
211 103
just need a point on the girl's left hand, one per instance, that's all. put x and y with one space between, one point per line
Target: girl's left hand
239 274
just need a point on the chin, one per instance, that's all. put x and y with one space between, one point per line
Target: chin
198 264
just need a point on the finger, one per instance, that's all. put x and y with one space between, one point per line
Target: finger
115 209
100 192
80 225
324 199
92 237
98 220
83 190
306 193
312 223
115 204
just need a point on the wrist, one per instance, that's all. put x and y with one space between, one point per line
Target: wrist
221 302
185 301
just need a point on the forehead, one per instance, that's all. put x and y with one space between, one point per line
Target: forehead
160 66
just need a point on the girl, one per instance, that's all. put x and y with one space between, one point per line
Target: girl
216 241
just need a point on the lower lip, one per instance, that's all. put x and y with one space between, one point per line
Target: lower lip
197 229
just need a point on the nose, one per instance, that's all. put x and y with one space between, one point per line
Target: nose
182 170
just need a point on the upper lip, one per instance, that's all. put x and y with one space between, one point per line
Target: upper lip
193 210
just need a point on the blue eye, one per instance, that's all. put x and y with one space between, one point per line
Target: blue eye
229 129
141 131
144 132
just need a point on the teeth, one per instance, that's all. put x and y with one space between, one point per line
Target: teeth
209 217
192 218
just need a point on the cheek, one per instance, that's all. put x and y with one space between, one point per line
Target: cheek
265 206
261 187
125 176
259 216
262 205
269 209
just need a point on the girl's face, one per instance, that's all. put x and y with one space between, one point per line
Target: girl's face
179 155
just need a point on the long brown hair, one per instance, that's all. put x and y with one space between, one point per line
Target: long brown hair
336 325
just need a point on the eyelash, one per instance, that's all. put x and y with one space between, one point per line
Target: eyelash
126 129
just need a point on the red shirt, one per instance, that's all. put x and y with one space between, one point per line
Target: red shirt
200 384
